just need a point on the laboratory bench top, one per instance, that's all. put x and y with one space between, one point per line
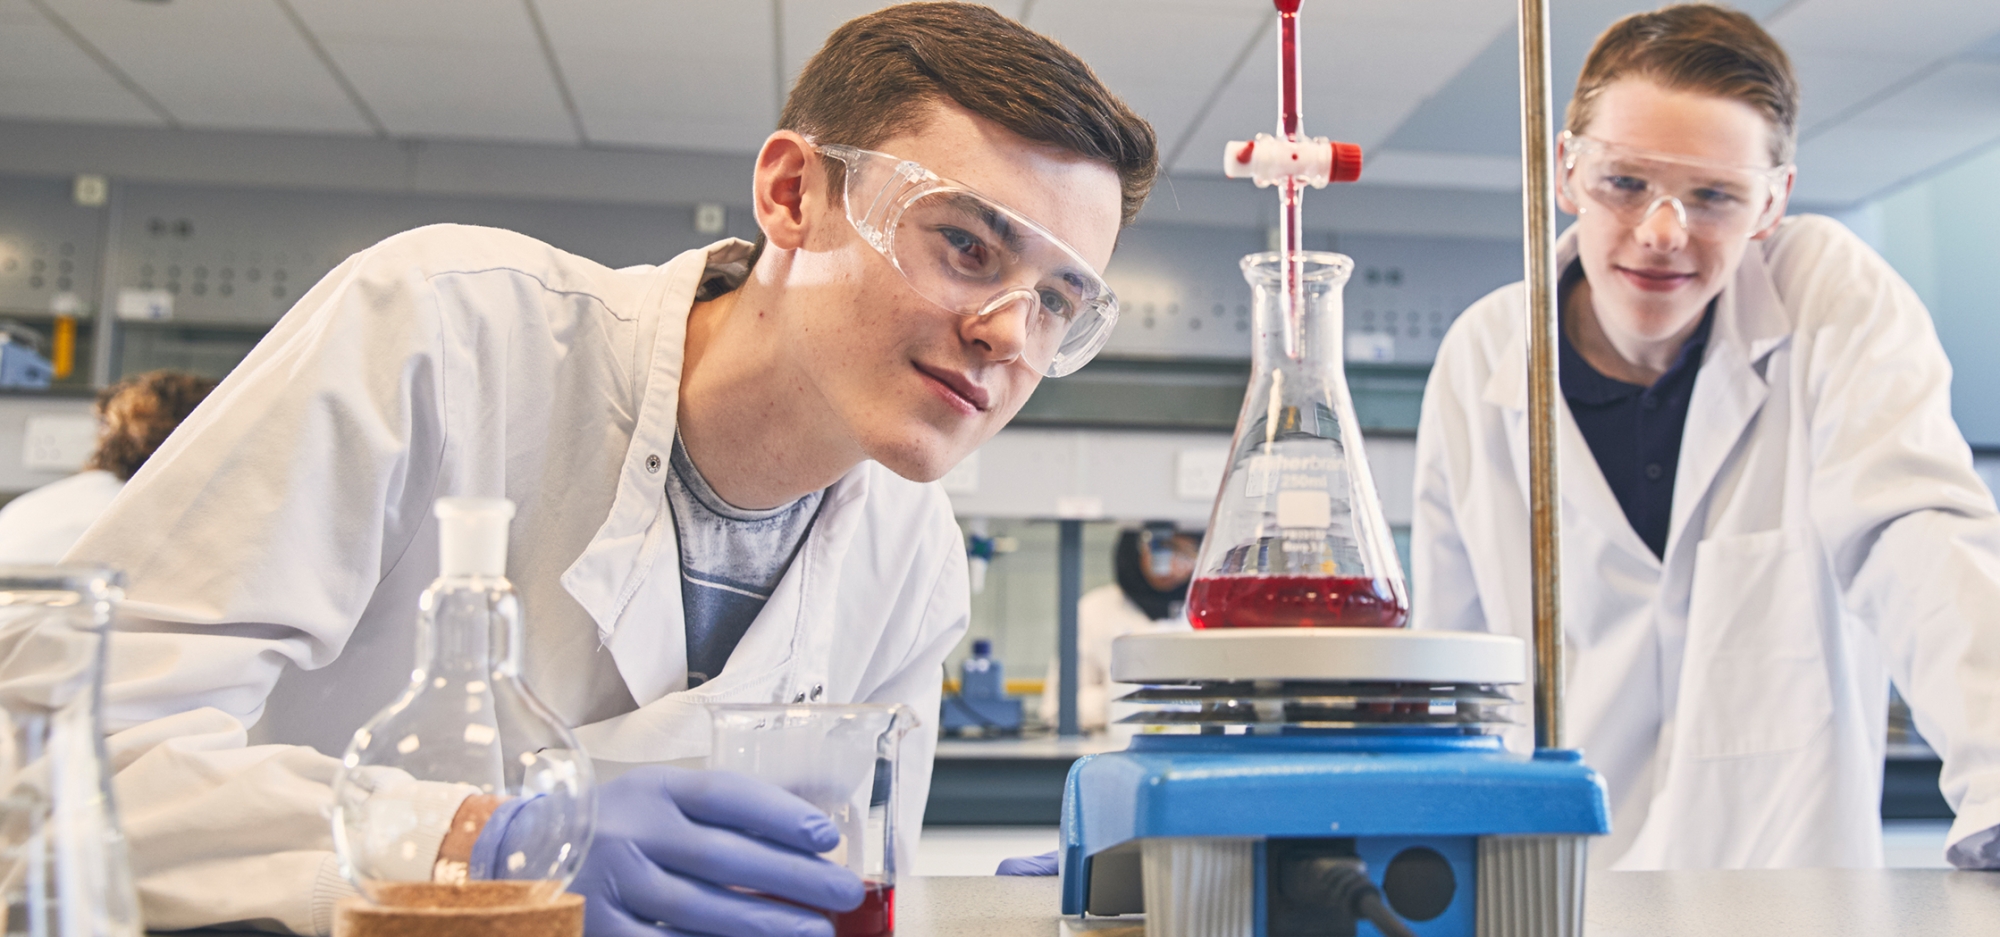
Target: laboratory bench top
1034 746
1789 903
1816 902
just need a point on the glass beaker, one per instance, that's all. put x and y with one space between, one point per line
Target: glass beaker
468 745
841 759
62 854
1297 537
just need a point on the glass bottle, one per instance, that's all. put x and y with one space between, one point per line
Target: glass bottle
980 676
467 733
63 865
1297 537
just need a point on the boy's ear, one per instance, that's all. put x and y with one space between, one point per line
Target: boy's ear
787 171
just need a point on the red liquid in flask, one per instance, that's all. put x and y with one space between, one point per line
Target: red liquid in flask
1295 602
876 917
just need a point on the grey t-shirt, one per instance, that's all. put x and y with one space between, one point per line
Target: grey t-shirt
731 560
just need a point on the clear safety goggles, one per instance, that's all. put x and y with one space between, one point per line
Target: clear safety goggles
1711 201
975 256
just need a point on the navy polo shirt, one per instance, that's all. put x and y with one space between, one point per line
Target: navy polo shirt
1635 432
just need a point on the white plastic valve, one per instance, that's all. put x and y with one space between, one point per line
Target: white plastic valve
1268 160
473 536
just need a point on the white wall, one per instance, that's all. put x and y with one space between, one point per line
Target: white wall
1943 236
15 476
1130 475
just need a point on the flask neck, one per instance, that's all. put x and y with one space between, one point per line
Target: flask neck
1299 324
469 624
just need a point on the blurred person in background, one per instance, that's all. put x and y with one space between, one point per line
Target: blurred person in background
1153 565
134 417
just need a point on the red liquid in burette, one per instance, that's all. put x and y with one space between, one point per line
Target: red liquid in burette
1295 602
876 917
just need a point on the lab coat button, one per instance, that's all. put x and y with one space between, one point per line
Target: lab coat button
653 464
799 698
818 691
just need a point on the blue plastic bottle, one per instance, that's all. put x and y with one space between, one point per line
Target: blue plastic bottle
980 677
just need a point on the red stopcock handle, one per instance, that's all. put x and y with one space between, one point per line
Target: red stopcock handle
1290 155
1314 162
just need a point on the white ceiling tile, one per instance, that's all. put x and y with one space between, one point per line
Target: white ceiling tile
1926 29
423 90
807 23
1441 170
1934 120
1163 58
1832 83
693 76
1848 51
444 68
44 76
1366 67
218 63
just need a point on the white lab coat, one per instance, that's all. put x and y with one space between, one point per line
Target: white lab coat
1103 615
277 543
1828 534
41 525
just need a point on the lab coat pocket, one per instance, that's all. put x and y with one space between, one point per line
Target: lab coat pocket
1756 665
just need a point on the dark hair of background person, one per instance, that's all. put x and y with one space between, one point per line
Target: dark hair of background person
137 414
1128 561
1696 47
877 75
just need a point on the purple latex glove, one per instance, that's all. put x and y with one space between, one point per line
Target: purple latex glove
1044 864
680 847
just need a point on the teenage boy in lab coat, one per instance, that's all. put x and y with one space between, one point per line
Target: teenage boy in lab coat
1768 513
720 468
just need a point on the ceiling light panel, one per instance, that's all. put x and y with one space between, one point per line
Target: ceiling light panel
444 68
45 76
684 76
218 63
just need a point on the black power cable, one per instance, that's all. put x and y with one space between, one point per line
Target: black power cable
1345 884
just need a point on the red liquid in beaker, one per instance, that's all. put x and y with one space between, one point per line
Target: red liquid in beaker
1295 602
876 917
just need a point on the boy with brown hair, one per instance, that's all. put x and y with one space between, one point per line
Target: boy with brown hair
1768 513
720 468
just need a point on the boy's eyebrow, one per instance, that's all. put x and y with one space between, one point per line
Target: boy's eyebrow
994 221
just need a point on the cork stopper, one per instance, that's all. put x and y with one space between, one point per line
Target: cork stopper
468 909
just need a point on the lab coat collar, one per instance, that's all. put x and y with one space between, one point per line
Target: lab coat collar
1584 491
1751 322
1507 386
1748 316
785 656
636 542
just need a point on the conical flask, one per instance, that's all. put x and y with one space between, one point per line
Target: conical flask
1297 537
467 739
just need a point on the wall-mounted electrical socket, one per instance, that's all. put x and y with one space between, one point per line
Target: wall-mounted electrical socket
91 190
710 218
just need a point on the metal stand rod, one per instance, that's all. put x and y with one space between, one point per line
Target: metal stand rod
1538 218
1069 567
105 333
